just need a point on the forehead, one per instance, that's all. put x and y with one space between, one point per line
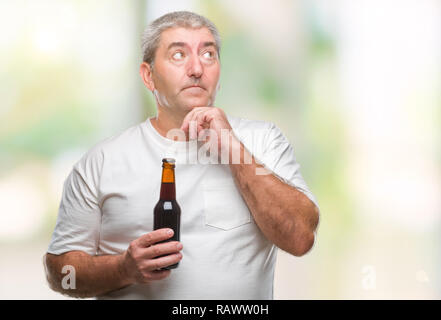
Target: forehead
192 36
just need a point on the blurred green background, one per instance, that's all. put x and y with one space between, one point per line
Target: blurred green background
353 84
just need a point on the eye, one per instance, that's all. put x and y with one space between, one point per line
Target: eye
178 55
208 54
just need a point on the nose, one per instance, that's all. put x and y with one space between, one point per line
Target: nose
195 67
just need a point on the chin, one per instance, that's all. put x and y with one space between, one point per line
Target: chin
194 103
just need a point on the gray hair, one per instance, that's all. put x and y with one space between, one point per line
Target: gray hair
186 19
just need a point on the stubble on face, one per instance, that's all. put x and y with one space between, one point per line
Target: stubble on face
161 99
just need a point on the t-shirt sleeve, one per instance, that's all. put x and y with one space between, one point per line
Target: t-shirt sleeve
279 158
79 214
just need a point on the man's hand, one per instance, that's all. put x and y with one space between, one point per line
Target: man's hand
212 124
140 261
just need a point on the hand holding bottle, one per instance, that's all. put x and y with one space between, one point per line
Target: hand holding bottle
142 261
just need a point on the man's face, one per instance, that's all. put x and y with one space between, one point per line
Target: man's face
186 69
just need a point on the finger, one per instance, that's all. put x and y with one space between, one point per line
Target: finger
208 116
158 263
200 123
207 130
187 118
161 249
151 238
192 129
194 124
158 274
186 122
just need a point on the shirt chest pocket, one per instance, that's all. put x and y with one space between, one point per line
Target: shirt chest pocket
224 206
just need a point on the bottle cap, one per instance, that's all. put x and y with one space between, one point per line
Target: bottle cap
169 160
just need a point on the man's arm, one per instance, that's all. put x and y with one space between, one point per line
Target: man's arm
94 275
98 275
284 214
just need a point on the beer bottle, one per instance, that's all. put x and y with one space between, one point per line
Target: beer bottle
167 213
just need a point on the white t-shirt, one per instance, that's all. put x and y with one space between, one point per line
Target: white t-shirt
109 196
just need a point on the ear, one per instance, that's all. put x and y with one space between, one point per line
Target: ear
146 74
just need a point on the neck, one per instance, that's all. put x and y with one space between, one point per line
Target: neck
168 189
166 120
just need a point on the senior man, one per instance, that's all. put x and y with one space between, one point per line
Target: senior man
234 215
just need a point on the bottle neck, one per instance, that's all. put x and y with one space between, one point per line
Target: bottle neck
168 188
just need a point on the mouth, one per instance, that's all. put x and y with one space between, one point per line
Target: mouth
194 87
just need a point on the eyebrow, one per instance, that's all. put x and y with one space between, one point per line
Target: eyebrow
183 44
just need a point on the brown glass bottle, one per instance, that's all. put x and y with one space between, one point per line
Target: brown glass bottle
167 213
